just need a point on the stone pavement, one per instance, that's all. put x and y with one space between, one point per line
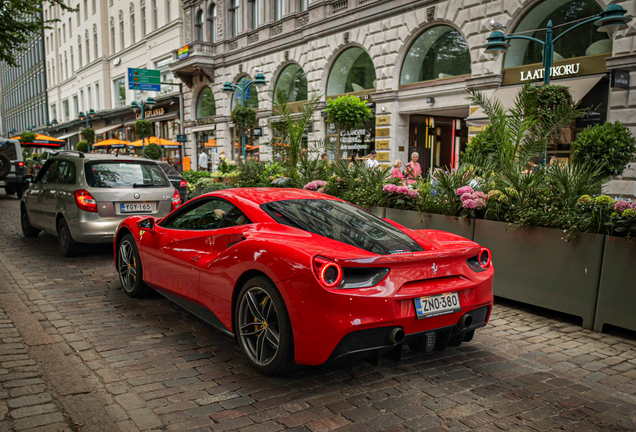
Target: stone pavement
115 363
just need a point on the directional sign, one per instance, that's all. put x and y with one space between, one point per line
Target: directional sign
144 79
182 138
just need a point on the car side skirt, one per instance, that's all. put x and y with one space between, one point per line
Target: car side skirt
199 311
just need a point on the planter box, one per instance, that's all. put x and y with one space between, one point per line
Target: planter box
616 294
537 267
415 220
377 211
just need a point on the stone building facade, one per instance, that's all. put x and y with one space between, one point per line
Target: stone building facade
421 108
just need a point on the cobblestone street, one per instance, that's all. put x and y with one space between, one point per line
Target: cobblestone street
77 354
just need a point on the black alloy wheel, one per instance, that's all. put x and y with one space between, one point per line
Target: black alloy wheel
129 268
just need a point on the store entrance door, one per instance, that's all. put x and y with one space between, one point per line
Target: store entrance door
438 140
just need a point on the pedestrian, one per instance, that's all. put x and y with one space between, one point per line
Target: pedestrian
203 160
324 158
413 171
371 162
396 172
354 159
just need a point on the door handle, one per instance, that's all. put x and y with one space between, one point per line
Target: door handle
195 258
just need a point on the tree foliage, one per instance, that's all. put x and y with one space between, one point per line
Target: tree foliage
82 146
244 117
153 151
348 112
144 128
19 20
609 146
89 135
27 137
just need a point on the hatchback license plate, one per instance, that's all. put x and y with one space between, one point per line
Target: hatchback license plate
426 307
135 207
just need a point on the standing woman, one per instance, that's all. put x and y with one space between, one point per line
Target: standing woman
413 171
354 159
396 172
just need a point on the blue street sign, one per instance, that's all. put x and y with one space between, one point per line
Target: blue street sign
248 92
144 80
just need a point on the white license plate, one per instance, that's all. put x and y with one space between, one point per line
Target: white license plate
135 207
3 183
426 307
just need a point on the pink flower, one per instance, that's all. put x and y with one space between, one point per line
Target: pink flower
402 190
634 205
469 203
320 183
413 193
464 189
311 186
466 196
478 194
390 188
621 206
480 203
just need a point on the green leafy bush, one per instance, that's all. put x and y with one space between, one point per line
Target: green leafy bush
244 117
27 137
192 176
144 128
153 151
609 146
89 135
348 112
82 146
483 143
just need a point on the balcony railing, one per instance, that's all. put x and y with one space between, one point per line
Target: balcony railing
339 5
197 48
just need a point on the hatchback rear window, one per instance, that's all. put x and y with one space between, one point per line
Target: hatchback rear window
117 174
343 222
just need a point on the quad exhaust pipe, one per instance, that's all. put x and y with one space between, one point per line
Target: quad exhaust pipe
396 336
465 322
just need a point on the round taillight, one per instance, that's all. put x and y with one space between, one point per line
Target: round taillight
331 275
484 258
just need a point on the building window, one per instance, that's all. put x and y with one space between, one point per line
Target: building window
65 110
155 15
97 100
112 36
199 26
352 71
279 9
54 111
59 37
234 17
132 23
89 98
120 92
76 106
72 61
64 31
167 76
252 102
439 52
206 106
95 43
122 40
143 18
65 65
85 10
61 70
70 28
94 7
79 50
583 41
255 12
291 85
168 12
304 4
212 23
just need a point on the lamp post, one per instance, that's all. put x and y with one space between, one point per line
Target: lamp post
90 114
610 20
243 86
150 102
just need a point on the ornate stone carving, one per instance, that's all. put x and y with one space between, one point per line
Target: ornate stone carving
346 37
233 45
188 30
277 29
254 37
430 13
302 20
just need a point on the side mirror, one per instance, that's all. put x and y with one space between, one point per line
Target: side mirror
28 178
146 224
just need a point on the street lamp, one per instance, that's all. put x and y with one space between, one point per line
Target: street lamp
81 116
610 20
150 102
243 86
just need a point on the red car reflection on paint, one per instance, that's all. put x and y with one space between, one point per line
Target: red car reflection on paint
301 277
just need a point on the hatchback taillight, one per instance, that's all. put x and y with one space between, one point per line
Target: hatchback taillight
85 201
183 183
176 200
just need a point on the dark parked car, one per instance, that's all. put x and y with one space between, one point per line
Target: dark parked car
175 178
12 169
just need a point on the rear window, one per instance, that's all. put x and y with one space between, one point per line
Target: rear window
7 148
168 169
343 222
117 174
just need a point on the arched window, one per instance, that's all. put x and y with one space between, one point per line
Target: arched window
88 47
132 23
122 39
72 61
155 15
198 25
439 52
65 65
168 12
291 84
212 23
352 71
206 106
143 18
583 41
112 36
95 42
79 50
252 102
234 17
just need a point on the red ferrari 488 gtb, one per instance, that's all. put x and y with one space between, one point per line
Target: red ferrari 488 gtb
301 277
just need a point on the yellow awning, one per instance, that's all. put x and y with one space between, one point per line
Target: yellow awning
111 143
162 142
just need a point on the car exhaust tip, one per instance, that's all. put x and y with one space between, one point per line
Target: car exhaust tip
465 321
396 336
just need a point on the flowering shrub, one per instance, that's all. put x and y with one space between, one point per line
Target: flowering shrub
281 181
400 197
315 185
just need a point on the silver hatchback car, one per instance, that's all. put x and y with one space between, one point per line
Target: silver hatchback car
82 198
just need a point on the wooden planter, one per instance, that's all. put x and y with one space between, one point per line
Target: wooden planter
415 220
616 294
537 267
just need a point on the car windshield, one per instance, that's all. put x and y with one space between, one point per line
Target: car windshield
343 222
168 169
118 174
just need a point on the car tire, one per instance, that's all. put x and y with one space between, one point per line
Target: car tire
130 269
269 345
5 166
68 246
27 229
